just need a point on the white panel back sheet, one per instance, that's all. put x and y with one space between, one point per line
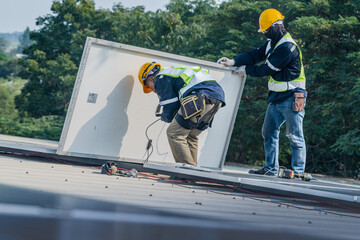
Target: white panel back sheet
109 113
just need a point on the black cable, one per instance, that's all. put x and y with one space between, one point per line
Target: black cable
149 144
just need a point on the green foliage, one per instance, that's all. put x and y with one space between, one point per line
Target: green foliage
24 41
8 89
46 127
8 66
3 56
50 86
326 30
3 44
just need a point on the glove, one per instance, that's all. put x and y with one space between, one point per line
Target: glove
240 71
226 62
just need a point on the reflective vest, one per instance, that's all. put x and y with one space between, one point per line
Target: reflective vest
191 76
299 82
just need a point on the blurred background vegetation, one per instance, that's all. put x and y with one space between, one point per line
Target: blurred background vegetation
37 77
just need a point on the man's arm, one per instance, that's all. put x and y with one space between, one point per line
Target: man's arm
251 58
168 99
277 61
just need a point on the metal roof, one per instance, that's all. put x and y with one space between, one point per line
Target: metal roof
253 216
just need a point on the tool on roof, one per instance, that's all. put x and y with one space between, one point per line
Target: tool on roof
305 176
289 174
132 173
111 168
285 173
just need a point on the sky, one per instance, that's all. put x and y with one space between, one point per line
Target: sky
16 15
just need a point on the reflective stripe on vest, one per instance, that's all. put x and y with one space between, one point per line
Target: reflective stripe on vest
268 46
280 86
172 100
191 76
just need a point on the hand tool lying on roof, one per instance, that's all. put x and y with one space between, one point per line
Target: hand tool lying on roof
111 168
289 174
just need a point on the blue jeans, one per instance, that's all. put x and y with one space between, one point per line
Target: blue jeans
276 115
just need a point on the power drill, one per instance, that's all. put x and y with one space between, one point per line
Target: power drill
286 173
305 176
289 174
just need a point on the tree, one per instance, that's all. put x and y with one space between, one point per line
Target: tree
3 45
8 66
51 62
8 89
24 40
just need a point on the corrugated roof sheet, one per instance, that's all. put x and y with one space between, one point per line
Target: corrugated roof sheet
208 202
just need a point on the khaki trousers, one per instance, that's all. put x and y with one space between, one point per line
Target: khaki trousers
184 142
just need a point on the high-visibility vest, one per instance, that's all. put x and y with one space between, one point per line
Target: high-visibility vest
191 76
279 86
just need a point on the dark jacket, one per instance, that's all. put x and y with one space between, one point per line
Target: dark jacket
285 58
167 88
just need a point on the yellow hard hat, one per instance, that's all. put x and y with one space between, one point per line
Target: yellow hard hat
147 69
268 17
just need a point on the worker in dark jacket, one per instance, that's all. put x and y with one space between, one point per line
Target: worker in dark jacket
190 97
283 63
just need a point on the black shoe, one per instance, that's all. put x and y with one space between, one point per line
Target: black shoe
261 171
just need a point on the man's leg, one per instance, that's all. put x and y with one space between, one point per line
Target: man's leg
294 131
177 137
192 141
206 116
184 142
270 132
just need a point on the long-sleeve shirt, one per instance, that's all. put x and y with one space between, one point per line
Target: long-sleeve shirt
167 88
283 65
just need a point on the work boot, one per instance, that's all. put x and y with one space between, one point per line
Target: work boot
261 171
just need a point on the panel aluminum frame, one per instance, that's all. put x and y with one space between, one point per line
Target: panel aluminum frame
109 114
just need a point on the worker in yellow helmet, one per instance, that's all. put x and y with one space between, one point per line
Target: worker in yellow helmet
190 98
286 100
